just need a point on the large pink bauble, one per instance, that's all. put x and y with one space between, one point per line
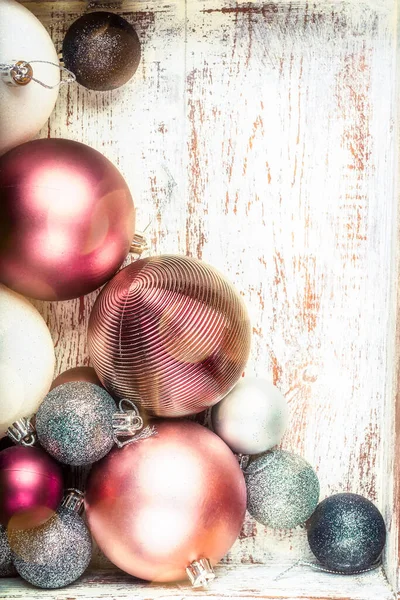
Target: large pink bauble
170 333
66 219
31 487
161 503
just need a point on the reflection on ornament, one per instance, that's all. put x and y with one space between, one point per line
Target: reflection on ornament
26 358
31 487
159 505
171 333
24 109
102 49
252 418
282 489
66 219
56 553
346 533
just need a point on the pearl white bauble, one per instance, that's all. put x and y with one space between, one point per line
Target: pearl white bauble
26 358
25 109
252 418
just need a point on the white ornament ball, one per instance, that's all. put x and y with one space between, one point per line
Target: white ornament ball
252 418
25 109
26 358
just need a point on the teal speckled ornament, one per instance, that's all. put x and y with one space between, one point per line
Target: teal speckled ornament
282 489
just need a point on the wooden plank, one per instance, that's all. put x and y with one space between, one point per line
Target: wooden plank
235 581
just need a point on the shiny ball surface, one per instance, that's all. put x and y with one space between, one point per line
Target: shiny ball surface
54 554
346 533
102 49
25 109
7 568
74 423
26 358
87 374
31 487
66 219
171 333
252 418
282 489
158 504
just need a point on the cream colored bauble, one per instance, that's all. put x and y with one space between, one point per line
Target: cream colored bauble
26 358
24 109
252 418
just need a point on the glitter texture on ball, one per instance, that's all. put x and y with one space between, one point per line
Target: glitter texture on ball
252 418
170 333
54 554
282 489
102 49
74 423
346 533
7 568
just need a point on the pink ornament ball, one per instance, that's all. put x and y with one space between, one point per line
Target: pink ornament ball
31 487
66 219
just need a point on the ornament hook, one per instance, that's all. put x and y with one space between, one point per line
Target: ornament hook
127 423
20 73
22 432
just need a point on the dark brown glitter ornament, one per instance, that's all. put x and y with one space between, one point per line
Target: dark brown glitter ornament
102 49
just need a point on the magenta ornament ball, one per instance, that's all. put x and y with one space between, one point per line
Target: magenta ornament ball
171 333
31 487
66 219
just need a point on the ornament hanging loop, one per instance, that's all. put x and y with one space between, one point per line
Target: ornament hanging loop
20 73
128 424
22 432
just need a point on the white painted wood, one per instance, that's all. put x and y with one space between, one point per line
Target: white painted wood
261 137
236 581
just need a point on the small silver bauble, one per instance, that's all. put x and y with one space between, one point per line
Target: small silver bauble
282 489
252 418
7 568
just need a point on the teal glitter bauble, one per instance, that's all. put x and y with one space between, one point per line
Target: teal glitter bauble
282 489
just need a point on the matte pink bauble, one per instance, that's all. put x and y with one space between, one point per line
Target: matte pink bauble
163 502
171 333
31 487
66 219
87 374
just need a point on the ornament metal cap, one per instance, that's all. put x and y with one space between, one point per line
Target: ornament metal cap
22 432
139 244
200 573
126 423
73 500
19 73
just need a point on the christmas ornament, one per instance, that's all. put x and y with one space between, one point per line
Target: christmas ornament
346 533
7 568
56 553
252 418
74 423
26 358
87 374
102 49
30 486
171 333
160 507
25 105
66 219
282 489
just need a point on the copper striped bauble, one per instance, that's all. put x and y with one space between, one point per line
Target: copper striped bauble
171 333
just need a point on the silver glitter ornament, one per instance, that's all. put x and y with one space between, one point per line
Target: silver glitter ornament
54 554
74 423
7 568
347 533
252 418
282 489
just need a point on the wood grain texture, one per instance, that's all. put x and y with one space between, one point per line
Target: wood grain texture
247 582
260 137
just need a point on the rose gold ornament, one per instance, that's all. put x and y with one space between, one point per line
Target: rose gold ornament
87 374
66 219
171 333
159 505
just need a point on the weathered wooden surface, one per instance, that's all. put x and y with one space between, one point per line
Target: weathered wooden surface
246 582
260 137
